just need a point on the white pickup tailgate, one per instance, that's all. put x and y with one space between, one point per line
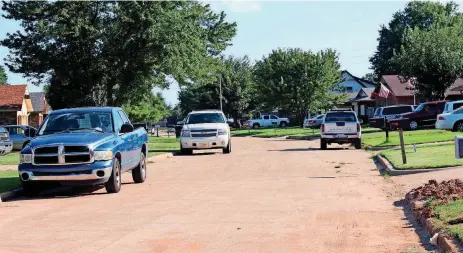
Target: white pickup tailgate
340 127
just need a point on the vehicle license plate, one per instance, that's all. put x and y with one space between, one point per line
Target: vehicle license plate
341 136
203 145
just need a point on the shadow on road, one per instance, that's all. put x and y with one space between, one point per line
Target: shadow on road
308 149
9 183
195 154
62 192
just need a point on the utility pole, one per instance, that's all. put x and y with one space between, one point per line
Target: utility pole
220 89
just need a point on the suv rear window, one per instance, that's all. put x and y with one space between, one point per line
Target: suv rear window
396 110
340 116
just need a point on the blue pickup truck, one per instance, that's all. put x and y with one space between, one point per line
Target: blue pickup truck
84 146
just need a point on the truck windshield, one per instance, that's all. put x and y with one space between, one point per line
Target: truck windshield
200 118
77 121
340 116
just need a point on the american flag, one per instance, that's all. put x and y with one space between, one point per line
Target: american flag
383 91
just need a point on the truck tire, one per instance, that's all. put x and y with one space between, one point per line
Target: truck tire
358 144
228 149
186 151
31 189
322 144
255 125
114 183
139 172
283 124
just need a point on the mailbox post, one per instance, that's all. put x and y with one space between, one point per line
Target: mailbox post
400 125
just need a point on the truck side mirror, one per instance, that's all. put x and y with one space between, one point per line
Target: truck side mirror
126 128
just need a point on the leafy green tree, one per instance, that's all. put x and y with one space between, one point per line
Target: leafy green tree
432 59
3 76
372 77
417 14
151 108
298 81
110 53
236 77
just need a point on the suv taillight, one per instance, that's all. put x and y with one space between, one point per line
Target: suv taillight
441 118
322 128
358 127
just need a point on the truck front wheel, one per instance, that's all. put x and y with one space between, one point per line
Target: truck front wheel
114 183
255 126
139 172
283 124
31 189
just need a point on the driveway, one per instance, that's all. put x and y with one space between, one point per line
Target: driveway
269 195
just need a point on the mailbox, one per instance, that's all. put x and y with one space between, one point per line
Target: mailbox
376 122
458 147
399 123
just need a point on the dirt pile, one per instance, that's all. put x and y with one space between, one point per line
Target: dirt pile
435 194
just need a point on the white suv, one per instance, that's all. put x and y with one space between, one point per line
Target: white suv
340 126
206 129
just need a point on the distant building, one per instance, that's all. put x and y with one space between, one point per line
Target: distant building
40 107
15 105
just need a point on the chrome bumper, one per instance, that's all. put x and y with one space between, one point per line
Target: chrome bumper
72 176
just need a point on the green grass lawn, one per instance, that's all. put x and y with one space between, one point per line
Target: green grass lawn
288 131
430 156
162 145
448 212
10 159
410 137
9 180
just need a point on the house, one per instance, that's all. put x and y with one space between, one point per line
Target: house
358 93
15 105
403 91
40 108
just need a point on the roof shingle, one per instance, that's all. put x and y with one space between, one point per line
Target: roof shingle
11 96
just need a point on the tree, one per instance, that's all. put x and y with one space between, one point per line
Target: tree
432 59
236 78
372 77
109 53
3 76
417 14
151 109
298 81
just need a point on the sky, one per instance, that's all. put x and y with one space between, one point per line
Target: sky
349 27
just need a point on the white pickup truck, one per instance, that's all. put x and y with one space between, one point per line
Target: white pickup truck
267 121
340 126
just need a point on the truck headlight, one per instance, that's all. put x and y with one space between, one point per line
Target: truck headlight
25 158
186 133
222 132
102 155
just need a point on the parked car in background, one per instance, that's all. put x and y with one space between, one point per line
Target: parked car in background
388 112
424 115
452 120
84 146
6 144
268 120
340 126
453 105
20 135
314 122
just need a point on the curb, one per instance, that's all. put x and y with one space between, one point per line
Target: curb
394 172
6 196
369 148
445 244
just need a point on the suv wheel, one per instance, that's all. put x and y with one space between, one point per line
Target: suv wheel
322 144
186 151
228 149
414 125
114 183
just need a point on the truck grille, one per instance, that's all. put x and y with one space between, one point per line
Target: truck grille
204 133
62 155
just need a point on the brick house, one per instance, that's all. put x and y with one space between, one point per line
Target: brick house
40 108
15 105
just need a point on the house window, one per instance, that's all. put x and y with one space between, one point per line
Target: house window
349 89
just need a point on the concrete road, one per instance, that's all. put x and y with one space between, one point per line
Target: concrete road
267 196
